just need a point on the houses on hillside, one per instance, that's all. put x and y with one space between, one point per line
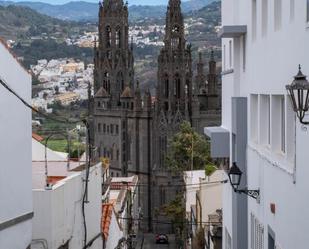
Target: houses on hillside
49 200
262 144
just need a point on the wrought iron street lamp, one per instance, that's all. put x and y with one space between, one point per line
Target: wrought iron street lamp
299 95
235 177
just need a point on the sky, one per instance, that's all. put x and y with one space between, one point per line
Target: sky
131 2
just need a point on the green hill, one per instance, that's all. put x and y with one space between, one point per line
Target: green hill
19 22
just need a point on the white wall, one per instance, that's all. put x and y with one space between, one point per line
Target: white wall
115 234
271 61
58 212
211 194
15 153
192 180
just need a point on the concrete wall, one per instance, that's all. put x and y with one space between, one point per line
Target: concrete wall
263 65
15 152
58 212
211 194
115 233
190 178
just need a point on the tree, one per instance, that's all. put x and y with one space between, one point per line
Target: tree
175 210
188 150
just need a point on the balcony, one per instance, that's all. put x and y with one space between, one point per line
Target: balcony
220 141
232 31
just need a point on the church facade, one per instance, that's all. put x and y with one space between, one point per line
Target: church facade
129 127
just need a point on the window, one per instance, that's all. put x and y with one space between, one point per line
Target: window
265 126
264 17
254 118
177 87
117 129
118 38
292 9
112 129
230 54
107 129
166 86
99 127
282 100
162 195
290 132
108 36
278 14
307 10
224 57
104 128
254 19
257 233
278 123
106 82
244 53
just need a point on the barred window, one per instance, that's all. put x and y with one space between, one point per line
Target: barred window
257 233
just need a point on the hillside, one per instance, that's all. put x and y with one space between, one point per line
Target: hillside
22 23
42 37
85 11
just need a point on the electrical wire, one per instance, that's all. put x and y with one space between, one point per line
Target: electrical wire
176 185
65 120
86 183
170 222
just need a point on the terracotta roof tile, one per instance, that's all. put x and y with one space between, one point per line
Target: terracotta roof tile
127 93
54 179
37 137
107 213
101 93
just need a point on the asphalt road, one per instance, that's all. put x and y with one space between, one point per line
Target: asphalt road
150 243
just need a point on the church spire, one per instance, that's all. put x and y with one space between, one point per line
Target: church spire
174 30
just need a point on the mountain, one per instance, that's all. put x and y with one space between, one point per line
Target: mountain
18 22
85 11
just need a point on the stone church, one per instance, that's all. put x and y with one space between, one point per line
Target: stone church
129 127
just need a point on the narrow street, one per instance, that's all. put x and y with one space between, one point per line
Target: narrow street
150 243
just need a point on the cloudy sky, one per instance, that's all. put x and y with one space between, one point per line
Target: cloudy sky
142 2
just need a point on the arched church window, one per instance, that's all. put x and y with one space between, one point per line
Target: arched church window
109 55
177 86
120 82
108 33
118 38
187 87
106 82
166 86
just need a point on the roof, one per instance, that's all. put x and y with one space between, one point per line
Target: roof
54 179
107 213
38 153
101 93
117 183
127 93
37 137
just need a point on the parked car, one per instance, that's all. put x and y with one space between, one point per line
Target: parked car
161 239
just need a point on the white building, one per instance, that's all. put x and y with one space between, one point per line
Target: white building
192 180
16 209
58 218
263 43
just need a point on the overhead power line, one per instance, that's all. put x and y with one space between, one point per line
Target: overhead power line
56 119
